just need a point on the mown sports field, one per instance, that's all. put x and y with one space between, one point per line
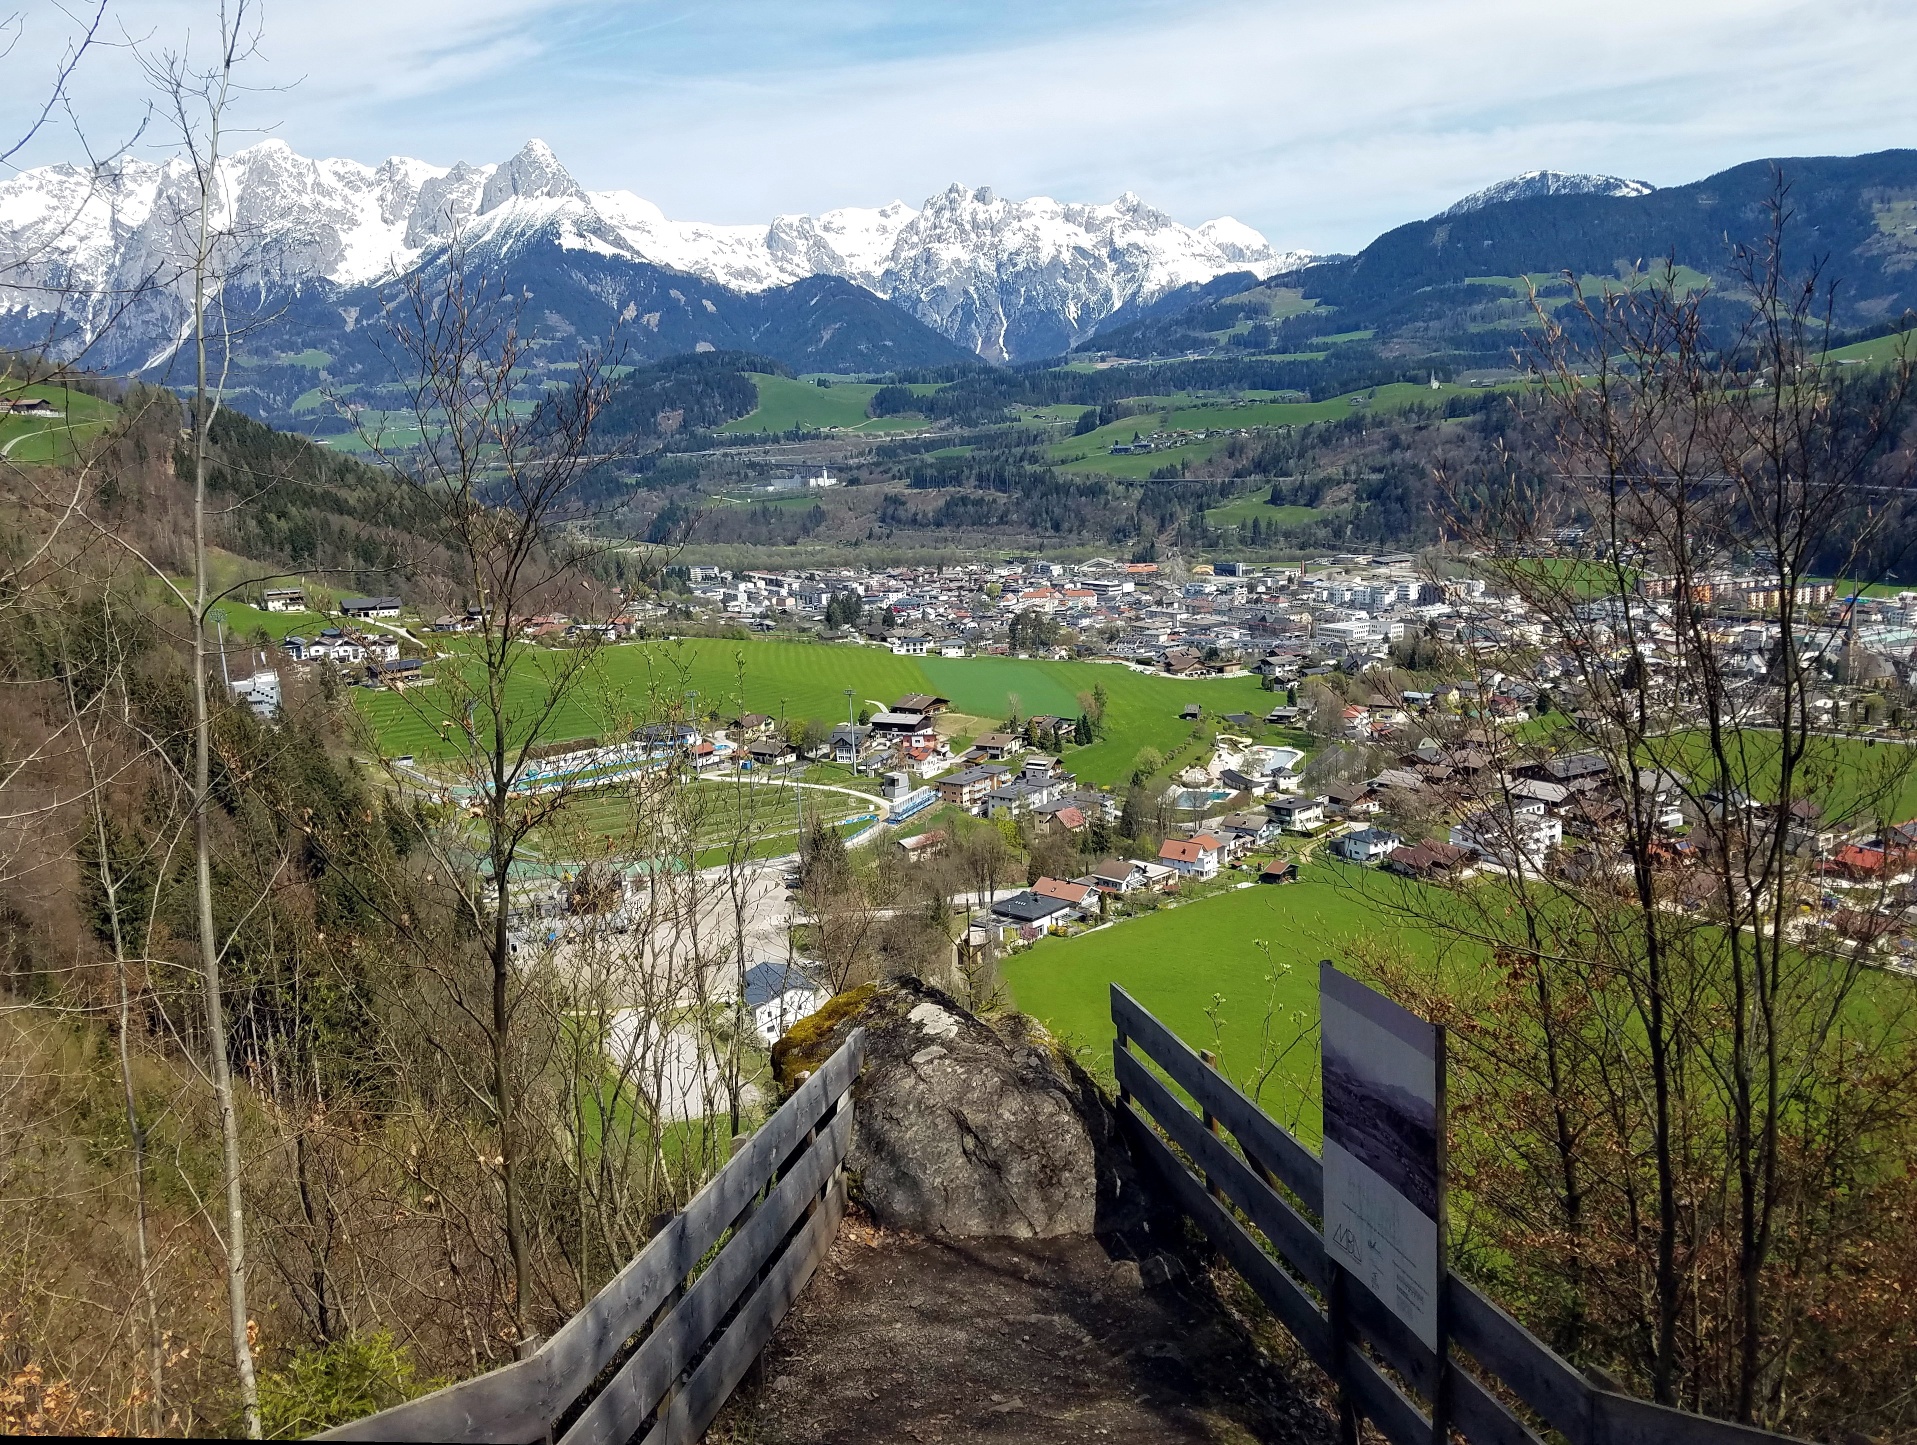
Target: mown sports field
808 680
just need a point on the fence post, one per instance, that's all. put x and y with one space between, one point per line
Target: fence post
1338 1317
1211 1126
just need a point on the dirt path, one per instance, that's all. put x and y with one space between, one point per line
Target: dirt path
901 1339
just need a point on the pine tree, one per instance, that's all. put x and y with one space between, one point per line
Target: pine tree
825 861
1082 731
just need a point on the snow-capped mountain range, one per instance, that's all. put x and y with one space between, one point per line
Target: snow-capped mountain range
1005 280
1531 184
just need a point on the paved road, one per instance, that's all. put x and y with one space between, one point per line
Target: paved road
5 450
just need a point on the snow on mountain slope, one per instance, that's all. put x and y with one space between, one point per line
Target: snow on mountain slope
1006 279
1016 279
1548 183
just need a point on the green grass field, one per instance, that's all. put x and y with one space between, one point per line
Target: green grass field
384 431
809 680
1586 579
1554 293
1244 509
784 501
1091 452
785 403
762 811
1878 351
1848 775
243 620
59 440
1249 955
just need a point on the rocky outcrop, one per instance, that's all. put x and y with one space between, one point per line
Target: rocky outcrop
965 1129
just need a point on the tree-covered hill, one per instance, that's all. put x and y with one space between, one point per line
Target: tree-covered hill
1454 286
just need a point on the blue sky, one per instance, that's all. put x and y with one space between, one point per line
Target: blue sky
1321 124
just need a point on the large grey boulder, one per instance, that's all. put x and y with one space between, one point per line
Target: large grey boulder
968 1129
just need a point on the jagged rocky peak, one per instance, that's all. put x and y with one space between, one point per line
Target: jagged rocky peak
1532 184
534 172
1008 279
446 202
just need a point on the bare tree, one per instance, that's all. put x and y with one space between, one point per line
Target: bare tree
91 704
1672 1019
985 860
199 98
500 482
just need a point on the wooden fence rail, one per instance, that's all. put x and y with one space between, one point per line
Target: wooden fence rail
686 1341
1236 1188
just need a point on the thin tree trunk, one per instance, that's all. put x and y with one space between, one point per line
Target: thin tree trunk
503 1089
235 1241
150 1306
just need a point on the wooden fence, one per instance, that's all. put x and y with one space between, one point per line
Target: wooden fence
1236 1188
686 1341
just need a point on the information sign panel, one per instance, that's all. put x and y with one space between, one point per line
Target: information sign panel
1384 1143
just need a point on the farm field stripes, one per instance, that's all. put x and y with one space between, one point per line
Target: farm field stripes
808 680
721 810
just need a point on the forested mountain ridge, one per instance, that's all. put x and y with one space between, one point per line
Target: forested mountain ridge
311 352
1858 211
278 502
1453 286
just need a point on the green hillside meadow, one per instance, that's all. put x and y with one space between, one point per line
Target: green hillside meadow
785 403
801 679
1251 955
1091 452
53 439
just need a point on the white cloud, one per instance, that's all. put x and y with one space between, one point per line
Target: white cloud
1321 123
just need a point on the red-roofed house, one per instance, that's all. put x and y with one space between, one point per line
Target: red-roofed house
1193 857
1082 896
1061 815
1867 864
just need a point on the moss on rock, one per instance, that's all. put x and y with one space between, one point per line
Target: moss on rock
810 1042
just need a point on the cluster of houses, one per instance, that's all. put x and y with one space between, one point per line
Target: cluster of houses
1209 618
1287 622
378 653
1052 903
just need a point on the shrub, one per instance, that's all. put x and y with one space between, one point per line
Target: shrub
331 1384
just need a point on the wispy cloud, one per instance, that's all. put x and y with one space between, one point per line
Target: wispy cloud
1320 122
